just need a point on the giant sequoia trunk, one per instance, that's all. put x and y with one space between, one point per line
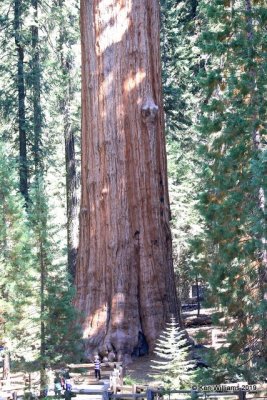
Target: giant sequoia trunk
124 278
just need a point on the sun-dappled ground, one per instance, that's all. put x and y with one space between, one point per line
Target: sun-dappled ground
140 369
199 329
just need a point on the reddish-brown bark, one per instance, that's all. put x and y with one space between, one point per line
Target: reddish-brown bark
124 278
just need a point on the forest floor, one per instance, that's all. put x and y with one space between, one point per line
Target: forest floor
199 328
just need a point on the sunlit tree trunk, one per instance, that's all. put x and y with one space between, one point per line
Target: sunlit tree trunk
124 279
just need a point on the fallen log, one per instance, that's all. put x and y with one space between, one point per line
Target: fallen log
198 321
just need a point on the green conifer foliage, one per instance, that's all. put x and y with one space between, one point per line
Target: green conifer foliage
63 335
16 261
233 134
59 335
176 369
180 55
180 61
44 87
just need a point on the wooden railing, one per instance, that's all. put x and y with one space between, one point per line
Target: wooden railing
157 394
152 394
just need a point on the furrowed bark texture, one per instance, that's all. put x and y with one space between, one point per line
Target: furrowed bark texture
124 278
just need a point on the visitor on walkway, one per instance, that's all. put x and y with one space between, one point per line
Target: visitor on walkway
68 383
63 383
97 368
57 386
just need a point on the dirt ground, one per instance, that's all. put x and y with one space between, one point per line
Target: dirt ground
140 369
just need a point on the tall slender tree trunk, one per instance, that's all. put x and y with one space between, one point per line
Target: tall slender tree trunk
23 164
36 91
70 159
124 279
38 164
71 192
4 294
42 328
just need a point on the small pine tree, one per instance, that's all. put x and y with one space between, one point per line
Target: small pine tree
175 366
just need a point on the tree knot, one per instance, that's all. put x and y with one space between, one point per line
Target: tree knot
149 111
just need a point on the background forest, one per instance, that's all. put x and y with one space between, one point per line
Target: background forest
214 71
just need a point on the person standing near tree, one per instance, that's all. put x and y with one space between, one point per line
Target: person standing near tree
97 368
68 383
57 385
